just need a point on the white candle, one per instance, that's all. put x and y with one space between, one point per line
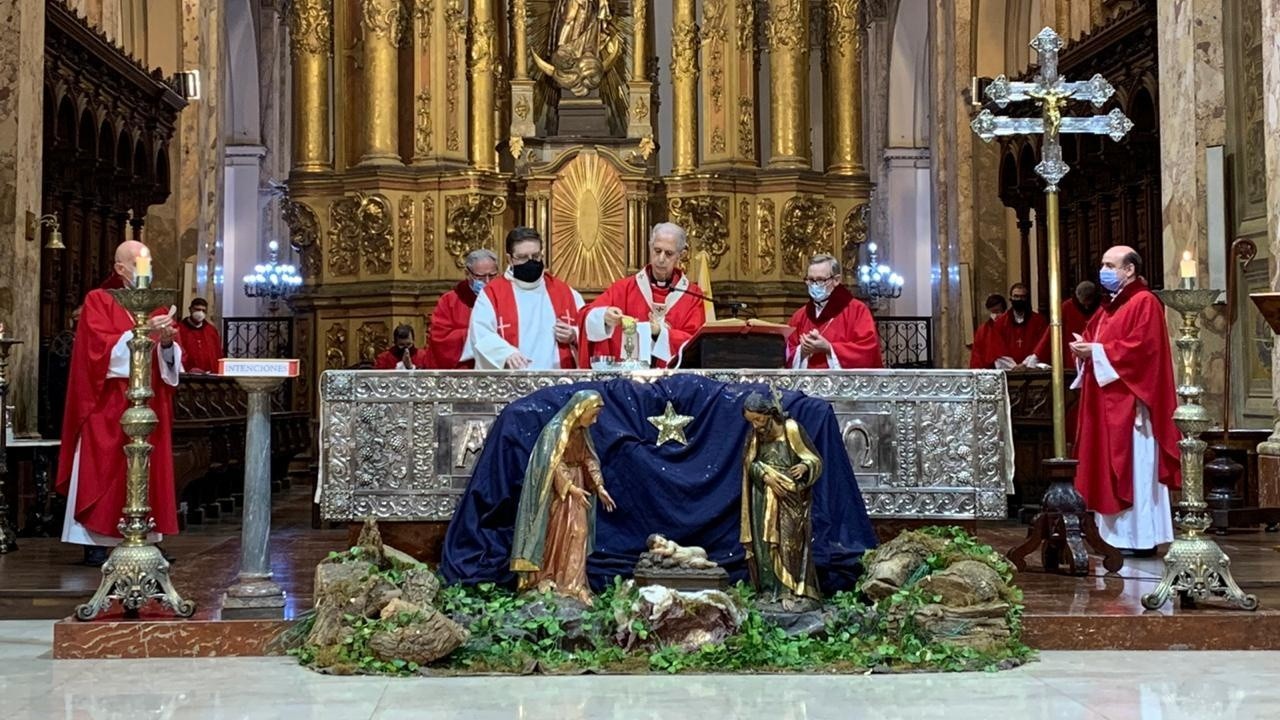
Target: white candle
143 263
1187 268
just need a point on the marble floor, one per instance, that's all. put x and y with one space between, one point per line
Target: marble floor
1067 685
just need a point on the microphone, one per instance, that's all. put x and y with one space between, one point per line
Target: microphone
728 305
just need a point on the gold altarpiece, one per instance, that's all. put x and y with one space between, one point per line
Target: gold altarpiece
424 129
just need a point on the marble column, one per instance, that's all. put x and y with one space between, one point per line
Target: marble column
254 593
1270 463
243 245
21 124
1192 118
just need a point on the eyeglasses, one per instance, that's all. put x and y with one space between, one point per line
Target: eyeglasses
486 276
819 281
522 259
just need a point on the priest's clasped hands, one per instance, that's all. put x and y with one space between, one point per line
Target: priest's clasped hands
814 344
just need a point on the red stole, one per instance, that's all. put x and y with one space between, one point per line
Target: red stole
92 418
502 294
1132 330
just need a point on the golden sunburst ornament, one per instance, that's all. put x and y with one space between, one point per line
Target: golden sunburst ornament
670 425
588 223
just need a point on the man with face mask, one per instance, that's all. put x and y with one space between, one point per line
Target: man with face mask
667 317
452 316
1076 312
91 465
1126 441
834 329
528 318
1019 329
201 345
986 344
402 355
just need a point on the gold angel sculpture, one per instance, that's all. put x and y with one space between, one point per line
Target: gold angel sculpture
779 470
556 519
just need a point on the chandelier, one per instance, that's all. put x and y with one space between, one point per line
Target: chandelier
877 282
272 281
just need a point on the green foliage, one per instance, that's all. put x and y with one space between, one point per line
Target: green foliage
523 633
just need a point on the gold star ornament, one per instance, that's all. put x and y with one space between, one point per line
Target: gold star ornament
670 425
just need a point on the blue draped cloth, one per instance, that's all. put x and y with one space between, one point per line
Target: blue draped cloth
691 494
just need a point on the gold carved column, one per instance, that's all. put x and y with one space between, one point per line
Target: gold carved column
786 32
639 118
728 64
383 28
522 110
684 87
842 99
311 46
483 66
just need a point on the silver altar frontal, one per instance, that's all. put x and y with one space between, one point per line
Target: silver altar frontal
924 444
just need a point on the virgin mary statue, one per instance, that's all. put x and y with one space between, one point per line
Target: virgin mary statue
556 520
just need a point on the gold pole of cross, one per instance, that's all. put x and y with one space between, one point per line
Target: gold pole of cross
1052 93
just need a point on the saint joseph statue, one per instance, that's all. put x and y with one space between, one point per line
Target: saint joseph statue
779 469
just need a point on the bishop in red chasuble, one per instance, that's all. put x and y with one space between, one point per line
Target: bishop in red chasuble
667 315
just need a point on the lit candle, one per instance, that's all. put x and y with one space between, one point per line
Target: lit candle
1187 268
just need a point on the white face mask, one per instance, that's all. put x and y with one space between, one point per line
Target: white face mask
198 316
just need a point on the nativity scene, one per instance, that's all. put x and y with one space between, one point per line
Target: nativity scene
685 339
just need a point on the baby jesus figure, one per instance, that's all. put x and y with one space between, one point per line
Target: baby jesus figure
694 558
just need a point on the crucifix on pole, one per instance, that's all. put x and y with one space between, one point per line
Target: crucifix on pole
1064 523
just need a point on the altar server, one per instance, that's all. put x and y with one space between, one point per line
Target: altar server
402 354
668 307
834 329
526 319
1127 443
1076 312
1019 329
201 344
986 344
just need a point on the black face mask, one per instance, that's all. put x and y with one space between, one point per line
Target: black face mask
528 271
1022 307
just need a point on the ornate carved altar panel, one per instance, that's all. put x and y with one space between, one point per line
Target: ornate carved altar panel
930 445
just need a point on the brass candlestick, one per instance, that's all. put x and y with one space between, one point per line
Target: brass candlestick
137 572
8 540
1195 566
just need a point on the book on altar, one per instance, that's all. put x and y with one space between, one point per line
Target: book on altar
749 325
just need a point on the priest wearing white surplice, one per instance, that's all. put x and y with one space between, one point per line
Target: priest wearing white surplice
527 319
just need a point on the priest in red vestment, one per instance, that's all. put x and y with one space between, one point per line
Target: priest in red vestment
528 318
1019 329
201 345
402 355
452 316
666 315
1127 443
834 329
986 344
91 465
1076 312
